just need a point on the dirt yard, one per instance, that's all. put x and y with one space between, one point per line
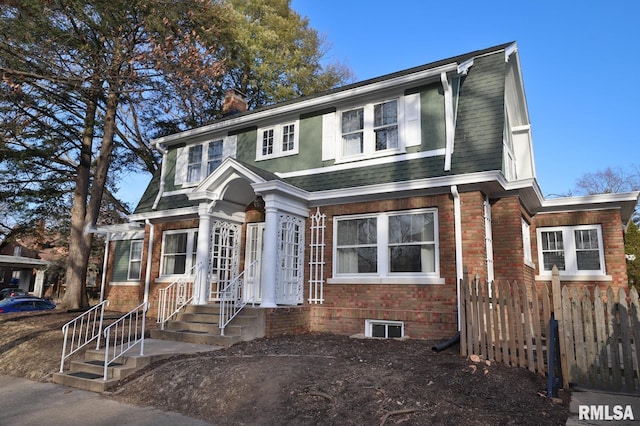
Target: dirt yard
306 380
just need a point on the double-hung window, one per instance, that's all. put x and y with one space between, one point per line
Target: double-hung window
387 244
194 165
575 250
353 132
196 162
214 156
179 252
135 260
277 141
369 130
385 125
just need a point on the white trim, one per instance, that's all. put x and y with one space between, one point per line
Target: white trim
448 120
369 323
387 158
368 131
383 274
141 242
124 283
570 251
189 252
278 130
585 278
387 280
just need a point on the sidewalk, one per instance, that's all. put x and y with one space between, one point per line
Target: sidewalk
24 402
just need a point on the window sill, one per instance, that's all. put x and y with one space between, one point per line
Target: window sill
387 280
125 283
604 278
369 155
172 278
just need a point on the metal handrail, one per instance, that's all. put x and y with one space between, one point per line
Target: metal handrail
128 331
231 300
84 329
176 296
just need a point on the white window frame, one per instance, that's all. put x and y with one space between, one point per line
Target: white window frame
369 323
207 172
383 274
526 243
182 160
369 131
135 260
278 140
197 165
192 239
569 249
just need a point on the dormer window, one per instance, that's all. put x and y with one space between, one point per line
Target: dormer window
385 125
277 141
195 162
370 130
214 156
194 166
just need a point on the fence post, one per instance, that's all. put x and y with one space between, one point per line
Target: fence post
463 306
557 312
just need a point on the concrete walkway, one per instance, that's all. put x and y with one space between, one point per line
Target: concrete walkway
23 402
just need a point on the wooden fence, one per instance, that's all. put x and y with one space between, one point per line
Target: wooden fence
598 331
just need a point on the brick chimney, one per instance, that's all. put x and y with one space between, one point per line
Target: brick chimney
234 102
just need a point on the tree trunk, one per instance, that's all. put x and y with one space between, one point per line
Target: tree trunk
76 267
76 295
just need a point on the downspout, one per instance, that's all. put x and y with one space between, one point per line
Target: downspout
457 223
162 172
104 266
147 275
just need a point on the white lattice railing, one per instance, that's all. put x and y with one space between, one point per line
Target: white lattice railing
124 334
81 331
176 296
316 258
231 297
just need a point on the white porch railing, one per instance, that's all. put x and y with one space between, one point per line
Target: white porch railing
124 334
232 299
81 331
176 296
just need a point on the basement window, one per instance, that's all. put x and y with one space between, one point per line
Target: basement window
384 329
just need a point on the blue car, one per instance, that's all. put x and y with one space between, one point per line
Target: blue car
25 304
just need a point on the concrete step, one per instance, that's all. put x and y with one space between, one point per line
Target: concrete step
193 337
114 371
85 381
197 317
198 327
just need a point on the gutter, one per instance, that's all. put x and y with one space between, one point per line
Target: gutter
147 274
457 219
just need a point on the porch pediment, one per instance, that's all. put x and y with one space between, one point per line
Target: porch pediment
232 181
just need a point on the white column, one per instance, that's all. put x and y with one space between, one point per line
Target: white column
39 284
202 256
269 258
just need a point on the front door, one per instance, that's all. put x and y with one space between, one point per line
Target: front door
253 253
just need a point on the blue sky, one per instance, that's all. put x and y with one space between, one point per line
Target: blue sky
579 60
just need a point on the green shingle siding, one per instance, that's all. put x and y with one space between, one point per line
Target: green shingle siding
246 146
478 142
309 152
